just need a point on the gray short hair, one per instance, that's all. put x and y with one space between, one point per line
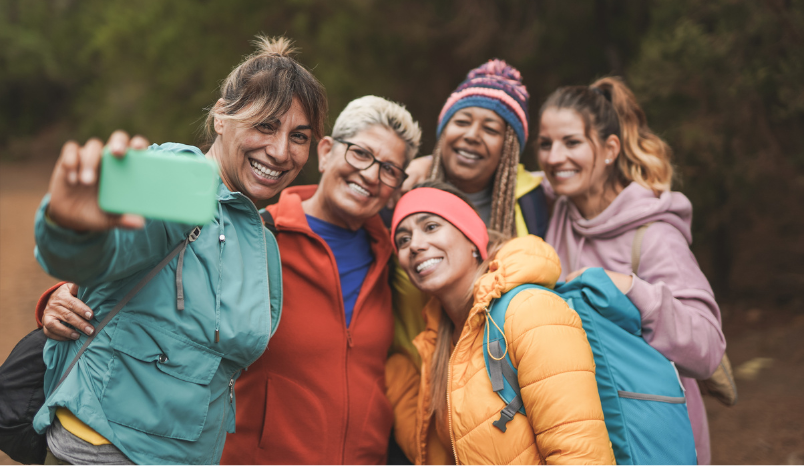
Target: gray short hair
372 110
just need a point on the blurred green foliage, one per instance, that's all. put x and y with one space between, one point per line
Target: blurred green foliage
719 79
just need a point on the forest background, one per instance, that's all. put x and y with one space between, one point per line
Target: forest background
720 80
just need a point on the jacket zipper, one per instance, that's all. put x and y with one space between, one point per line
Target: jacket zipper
449 406
226 410
346 366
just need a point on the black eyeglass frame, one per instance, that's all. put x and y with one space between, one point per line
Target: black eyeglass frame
373 161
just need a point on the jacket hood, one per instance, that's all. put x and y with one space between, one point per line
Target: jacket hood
527 259
632 208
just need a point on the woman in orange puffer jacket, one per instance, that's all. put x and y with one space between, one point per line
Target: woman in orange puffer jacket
444 409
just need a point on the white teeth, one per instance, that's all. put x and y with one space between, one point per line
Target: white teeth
359 189
468 155
566 173
428 264
264 171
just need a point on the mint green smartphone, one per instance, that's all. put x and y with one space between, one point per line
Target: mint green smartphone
160 185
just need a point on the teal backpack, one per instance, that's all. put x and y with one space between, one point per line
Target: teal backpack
643 400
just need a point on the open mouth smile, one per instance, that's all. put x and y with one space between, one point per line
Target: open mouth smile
264 171
467 155
564 174
359 190
429 264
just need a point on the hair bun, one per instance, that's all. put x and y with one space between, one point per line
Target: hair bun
276 46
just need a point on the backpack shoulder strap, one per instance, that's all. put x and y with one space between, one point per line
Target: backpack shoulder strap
500 369
636 246
534 211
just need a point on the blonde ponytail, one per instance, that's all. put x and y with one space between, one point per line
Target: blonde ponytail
644 157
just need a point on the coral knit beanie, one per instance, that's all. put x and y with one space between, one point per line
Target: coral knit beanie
497 86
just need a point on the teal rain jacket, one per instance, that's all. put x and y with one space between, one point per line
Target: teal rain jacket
155 382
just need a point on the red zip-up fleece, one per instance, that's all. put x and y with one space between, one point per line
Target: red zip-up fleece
317 394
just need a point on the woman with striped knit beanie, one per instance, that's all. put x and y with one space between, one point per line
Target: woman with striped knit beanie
482 130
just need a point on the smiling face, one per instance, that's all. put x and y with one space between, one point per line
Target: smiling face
437 257
346 196
472 147
574 164
259 161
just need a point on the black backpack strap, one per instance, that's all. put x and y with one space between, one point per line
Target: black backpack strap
535 211
144 281
268 221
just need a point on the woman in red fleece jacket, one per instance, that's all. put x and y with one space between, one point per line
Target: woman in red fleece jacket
317 394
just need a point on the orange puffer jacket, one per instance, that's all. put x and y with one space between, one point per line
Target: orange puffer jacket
556 368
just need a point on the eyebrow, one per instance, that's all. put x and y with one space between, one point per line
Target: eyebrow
423 216
303 127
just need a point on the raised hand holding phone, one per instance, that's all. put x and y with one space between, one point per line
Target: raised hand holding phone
74 185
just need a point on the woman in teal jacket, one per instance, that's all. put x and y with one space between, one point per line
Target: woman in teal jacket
156 384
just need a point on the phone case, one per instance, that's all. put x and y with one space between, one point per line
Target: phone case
161 185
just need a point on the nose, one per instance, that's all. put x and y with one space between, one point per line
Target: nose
277 147
418 242
556 155
472 133
371 175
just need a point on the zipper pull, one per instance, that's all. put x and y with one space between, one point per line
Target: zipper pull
348 338
231 390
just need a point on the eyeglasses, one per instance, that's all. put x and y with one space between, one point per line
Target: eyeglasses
363 159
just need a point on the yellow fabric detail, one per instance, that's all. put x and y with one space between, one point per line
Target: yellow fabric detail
78 428
408 303
525 183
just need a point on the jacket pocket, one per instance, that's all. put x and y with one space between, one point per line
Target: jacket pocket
653 422
158 381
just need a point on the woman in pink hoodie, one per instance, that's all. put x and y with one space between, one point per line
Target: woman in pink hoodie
610 175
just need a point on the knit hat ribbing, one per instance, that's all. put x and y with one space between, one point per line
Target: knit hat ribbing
497 86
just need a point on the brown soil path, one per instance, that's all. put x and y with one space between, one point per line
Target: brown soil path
766 426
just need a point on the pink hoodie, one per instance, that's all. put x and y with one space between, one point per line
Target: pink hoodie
680 317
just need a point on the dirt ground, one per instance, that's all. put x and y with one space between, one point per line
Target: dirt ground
765 345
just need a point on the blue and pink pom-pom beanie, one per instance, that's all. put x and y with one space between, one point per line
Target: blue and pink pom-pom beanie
497 86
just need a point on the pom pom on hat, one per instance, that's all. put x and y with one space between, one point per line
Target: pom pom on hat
497 86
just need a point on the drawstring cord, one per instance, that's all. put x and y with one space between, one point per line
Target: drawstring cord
221 242
488 332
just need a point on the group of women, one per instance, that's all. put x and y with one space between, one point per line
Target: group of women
468 228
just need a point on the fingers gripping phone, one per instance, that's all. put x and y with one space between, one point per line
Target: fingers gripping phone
160 185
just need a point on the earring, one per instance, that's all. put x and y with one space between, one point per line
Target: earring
608 161
475 254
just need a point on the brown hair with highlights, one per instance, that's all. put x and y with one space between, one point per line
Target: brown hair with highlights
262 88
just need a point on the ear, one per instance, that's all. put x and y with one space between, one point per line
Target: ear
218 122
611 148
324 152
